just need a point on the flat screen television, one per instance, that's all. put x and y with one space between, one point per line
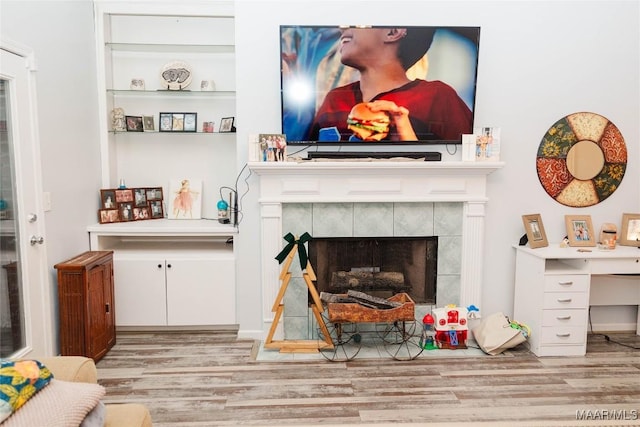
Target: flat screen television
429 71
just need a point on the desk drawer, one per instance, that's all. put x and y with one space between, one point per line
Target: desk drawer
617 266
566 283
564 318
563 335
553 300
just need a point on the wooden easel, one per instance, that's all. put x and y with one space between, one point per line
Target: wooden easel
297 346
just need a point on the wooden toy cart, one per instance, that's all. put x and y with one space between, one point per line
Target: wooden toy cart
396 327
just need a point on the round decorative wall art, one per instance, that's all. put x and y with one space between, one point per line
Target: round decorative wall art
581 159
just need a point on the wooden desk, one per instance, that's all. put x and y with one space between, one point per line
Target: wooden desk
552 292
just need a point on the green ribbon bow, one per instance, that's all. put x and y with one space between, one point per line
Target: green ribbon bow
302 252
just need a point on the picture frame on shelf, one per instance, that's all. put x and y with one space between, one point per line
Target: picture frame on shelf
134 123
630 230
190 122
177 122
108 199
156 209
154 193
535 231
272 147
580 230
140 213
226 125
126 211
124 195
107 216
166 122
140 197
148 123
185 199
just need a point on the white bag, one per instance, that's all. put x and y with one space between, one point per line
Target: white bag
494 334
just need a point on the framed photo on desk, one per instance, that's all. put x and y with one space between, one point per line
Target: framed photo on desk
580 230
630 233
535 231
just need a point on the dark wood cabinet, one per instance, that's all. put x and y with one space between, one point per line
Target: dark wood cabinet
85 302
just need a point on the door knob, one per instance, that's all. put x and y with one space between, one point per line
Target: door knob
32 217
39 240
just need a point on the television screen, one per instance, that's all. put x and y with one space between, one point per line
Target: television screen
412 84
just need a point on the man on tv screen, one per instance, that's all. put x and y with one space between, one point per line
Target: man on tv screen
417 110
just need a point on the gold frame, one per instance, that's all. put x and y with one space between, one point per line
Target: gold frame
583 222
535 231
624 233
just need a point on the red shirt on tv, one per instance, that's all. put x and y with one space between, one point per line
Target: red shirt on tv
435 111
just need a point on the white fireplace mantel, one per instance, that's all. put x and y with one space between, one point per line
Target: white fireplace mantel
373 181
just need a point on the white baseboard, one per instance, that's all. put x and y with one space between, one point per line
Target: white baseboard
251 334
614 327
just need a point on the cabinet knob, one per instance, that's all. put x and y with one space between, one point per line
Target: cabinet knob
168 265
564 299
565 335
159 265
107 307
33 240
563 317
568 283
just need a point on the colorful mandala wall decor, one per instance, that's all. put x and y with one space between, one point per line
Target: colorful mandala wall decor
581 159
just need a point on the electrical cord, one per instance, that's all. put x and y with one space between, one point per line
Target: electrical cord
607 337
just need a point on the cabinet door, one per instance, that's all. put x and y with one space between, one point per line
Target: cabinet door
140 295
201 292
98 331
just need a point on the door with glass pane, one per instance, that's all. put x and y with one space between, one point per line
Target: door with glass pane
26 325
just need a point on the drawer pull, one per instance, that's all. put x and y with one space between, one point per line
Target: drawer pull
567 283
564 299
565 335
563 317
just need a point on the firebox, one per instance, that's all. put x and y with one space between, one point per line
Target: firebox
379 266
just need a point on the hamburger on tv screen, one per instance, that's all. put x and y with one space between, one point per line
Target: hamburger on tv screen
422 79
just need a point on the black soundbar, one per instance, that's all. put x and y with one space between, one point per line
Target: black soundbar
429 156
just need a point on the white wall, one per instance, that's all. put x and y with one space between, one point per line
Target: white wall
539 61
61 36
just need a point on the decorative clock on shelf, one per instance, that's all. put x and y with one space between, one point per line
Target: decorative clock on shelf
581 159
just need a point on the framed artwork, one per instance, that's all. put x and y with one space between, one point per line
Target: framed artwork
108 199
140 196
185 199
166 122
125 195
272 147
140 213
535 231
630 233
155 208
154 193
131 204
126 211
108 215
226 125
580 230
134 123
178 122
190 122
148 123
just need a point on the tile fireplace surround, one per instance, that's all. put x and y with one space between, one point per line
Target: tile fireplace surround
294 194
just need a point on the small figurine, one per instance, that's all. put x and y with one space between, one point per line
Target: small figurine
117 119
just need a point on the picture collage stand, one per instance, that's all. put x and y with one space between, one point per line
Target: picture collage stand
130 204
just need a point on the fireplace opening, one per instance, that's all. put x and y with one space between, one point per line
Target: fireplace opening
379 266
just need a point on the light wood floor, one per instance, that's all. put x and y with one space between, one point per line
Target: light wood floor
212 379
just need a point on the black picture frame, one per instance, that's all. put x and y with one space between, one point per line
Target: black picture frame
134 123
178 122
226 125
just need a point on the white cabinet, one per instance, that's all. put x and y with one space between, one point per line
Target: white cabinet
136 41
179 290
552 298
171 272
